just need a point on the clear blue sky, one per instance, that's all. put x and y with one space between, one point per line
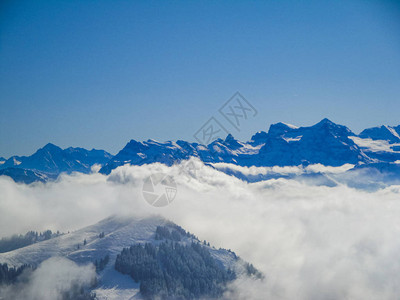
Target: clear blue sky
99 73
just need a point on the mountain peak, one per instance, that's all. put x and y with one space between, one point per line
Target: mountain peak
384 132
229 138
259 137
133 143
284 125
50 147
153 141
337 130
325 121
280 128
287 125
134 146
232 142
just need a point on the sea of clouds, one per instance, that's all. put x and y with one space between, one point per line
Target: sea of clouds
310 241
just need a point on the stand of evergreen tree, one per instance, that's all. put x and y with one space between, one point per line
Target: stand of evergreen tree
77 292
174 271
252 271
9 275
20 241
101 264
172 232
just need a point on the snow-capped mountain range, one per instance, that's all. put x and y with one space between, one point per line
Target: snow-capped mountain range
50 161
324 143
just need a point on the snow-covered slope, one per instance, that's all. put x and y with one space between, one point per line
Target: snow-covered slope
87 245
119 232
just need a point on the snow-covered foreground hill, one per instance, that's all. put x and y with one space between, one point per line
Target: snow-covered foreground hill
108 238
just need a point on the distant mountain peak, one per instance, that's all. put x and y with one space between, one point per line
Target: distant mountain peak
384 132
278 129
153 141
333 128
283 125
217 141
287 125
325 122
259 138
229 137
133 144
232 142
51 147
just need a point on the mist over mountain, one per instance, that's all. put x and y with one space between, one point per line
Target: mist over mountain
162 259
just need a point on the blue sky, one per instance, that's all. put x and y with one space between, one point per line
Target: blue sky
99 73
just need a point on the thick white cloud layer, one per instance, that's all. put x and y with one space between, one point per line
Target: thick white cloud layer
311 242
287 170
50 280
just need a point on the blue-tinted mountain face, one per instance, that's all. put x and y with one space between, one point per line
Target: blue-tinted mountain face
52 160
283 145
24 176
324 143
387 133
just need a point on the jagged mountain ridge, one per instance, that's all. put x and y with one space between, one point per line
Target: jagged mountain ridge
51 160
324 143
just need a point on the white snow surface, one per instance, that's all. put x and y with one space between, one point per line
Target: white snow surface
290 125
392 131
374 145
